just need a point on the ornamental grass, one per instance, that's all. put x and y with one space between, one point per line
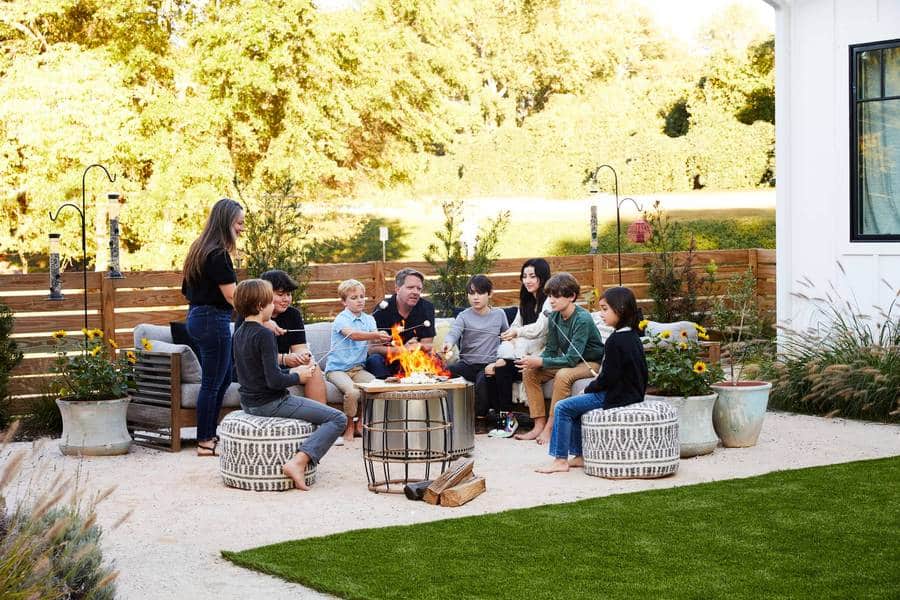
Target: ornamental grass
851 368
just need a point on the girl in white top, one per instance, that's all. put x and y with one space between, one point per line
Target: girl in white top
528 332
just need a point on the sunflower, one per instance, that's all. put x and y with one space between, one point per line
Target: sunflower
683 345
146 344
665 334
643 324
683 334
58 335
87 333
702 335
699 328
131 356
699 367
96 350
113 343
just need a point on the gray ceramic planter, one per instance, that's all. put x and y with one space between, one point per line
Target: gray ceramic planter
94 428
696 435
739 412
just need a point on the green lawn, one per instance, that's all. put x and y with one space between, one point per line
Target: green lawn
826 532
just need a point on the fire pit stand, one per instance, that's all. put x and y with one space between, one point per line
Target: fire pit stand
405 434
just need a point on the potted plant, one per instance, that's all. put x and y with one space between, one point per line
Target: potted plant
92 385
741 405
679 375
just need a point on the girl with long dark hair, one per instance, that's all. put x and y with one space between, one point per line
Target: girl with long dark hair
526 335
208 284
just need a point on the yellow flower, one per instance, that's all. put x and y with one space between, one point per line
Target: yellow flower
97 332
683 345
85 331
131 356
665 334
96 350
643 324
58 335
684 334
113 343
146 344
702 335
699 328
699 367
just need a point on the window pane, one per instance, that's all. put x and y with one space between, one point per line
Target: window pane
868 84
879 168
892 71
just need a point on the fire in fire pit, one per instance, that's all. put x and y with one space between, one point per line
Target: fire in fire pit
416 365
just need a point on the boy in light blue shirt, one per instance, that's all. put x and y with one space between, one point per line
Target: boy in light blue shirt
351 332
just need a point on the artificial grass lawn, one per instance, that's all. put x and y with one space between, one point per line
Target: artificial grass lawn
824 532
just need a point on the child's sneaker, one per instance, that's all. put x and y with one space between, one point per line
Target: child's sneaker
512 424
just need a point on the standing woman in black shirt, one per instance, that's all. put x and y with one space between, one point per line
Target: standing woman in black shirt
209 283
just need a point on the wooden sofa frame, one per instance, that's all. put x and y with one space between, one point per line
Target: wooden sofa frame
155 414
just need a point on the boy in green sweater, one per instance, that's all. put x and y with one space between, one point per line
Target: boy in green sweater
574 350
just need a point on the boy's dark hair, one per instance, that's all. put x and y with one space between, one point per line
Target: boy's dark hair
251 295
280 280
622 302
562 285
479 284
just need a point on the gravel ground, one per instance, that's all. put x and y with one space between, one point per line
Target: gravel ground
182 514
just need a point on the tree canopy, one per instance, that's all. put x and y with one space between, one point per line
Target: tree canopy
183 99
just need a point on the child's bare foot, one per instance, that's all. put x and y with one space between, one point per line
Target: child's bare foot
544 438
560 465
531 435
576 462
296 470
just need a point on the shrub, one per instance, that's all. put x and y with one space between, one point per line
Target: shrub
49 549
449 258
9 358
675 366
852 369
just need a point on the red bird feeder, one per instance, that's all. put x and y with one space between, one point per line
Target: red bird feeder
639 231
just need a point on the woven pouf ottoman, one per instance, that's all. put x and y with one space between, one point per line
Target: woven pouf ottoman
635 441
253 449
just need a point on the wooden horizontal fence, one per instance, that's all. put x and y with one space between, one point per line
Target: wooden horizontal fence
116 306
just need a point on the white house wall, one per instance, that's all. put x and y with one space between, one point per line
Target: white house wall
813 145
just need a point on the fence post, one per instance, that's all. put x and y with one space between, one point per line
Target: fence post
378 292
753 263
597 276
107 308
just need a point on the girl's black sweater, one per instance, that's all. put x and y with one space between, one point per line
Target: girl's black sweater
623 375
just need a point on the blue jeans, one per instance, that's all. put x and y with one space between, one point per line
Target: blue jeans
377 365
331 423
566 437
210 329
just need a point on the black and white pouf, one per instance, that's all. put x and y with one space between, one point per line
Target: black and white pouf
636 441
253 450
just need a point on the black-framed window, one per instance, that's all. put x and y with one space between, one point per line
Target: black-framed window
875 142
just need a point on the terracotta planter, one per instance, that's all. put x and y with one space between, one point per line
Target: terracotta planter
94 428
696 435
739 412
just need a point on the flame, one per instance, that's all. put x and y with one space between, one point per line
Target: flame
414 360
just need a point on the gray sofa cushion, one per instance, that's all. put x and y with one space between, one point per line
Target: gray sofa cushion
318 340
190 392
190 365
152 332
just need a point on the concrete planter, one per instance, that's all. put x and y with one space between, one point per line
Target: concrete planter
739 412
94 428
696 435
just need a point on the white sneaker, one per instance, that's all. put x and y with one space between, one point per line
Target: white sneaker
339 441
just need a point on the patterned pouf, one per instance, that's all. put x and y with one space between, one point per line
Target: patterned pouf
635 441
253 449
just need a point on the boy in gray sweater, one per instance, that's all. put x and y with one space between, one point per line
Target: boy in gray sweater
264 386
476 331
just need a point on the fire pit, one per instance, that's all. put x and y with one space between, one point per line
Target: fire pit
412 427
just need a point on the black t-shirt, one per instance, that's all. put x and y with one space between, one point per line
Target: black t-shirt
423 311
217 270
289 319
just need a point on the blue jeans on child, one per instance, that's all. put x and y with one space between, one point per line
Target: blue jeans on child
566 436
331 423
210 328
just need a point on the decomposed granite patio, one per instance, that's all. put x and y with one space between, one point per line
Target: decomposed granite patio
183 516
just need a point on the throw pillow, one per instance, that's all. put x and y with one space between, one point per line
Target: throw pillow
190 366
